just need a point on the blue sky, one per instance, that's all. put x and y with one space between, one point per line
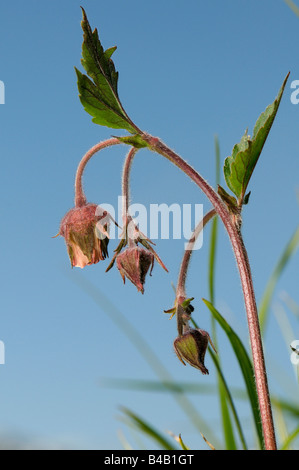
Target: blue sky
187 71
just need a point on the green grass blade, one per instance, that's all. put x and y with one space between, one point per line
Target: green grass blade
290 303
157 386
182 444
292 6
228 399
222 391
144 349
286 406
290 438
228 430
214 234
286 255
212 259
245 365
147 429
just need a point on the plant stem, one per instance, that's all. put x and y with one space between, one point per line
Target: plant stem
181 284
126 183
240 252
80 198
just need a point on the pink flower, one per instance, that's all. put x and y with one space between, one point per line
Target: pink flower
85 236
134 263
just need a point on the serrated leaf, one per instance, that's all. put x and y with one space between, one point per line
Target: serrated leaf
239 167
98 94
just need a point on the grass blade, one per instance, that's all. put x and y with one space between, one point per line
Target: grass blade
289 439
286 255
292 6
228 399
286 406
157 386
144 349
245 365
223 391
147 429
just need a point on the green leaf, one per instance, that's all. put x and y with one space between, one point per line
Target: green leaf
135 140
154 361
226 399
213 239
98 94
245 365
290 439
182 444
239 167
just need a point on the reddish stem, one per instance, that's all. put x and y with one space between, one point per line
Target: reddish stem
181 284
80 198
129 226
247 285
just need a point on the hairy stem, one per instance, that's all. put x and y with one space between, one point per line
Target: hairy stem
128 225
126 182
80 198
240 252
181 284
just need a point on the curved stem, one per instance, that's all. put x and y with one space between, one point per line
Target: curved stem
181 284
80 198
240 252
126 182
126 192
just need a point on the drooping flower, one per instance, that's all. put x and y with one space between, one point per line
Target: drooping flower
191 347
85 230
134 263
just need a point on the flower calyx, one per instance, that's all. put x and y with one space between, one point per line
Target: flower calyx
135 261
191 347
86 232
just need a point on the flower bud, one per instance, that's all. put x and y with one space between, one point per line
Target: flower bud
134 263
191 347
85 236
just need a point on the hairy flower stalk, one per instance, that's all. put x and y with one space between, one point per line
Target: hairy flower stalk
85 227
99 96
181 284
240 252
135 261
80 198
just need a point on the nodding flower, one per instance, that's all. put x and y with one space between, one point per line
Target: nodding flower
134 263
192 346
85 230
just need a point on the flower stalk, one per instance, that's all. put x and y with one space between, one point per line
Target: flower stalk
241 256
80 199
181 284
